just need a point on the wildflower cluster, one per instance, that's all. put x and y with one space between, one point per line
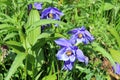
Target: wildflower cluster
47 13
69 51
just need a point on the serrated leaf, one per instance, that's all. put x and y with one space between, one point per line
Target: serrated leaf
108 6
16 63
115 55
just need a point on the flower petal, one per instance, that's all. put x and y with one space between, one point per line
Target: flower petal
38 5
72 58
61 55
80 56
117 68
68 65
63 42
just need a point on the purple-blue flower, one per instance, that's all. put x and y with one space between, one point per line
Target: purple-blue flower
68 65
116 68
68 52
52 13
38 6
81 35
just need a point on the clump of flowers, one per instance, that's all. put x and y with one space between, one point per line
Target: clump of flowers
51 13
81 35
37 6
69 51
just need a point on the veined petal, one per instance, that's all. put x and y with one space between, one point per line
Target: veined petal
63 42
82 28
68 65
61 55
80 56
73 31
38 5
72 58
57 11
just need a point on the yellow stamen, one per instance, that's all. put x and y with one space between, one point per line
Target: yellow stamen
51 15
80 35
69 53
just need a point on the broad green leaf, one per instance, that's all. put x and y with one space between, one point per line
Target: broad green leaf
115 55
16 63
43 35
4 26
39 44
16 46
103 52
13 43
1 76
108 6
50 77
10 35
33 17
59 35
115 34
45 21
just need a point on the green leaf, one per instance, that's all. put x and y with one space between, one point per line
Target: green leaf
45 21
58 35
33 17
108 6
43 35
115 55
16 46
115 34
10 35
50 77
1 76
13 43
103 52
4 26
17 62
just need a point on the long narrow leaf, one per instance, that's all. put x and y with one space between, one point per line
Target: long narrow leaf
17 62
43 22
103 52
115 34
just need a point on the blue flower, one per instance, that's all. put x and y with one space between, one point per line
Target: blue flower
68 52
52 13
81 35
38 6
116 68
68 65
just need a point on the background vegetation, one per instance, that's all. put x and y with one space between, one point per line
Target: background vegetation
28 54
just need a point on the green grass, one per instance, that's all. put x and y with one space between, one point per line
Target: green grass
31 55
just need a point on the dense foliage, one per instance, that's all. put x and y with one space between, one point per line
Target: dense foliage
59 39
